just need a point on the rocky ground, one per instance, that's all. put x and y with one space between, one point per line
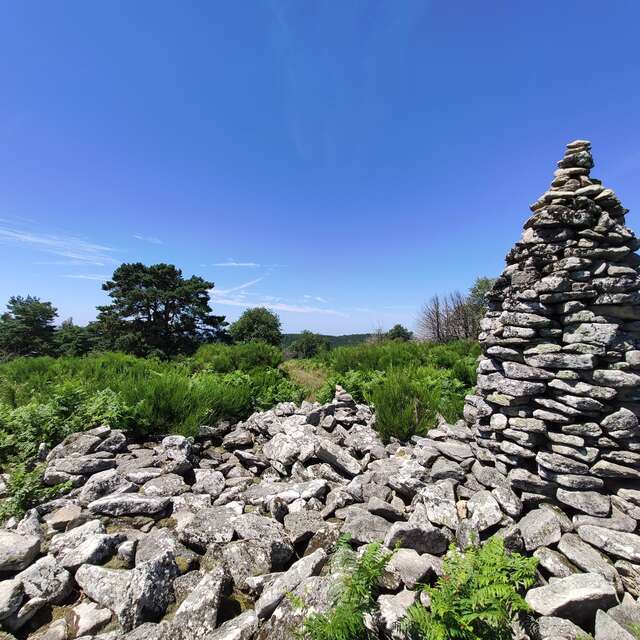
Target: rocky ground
219 538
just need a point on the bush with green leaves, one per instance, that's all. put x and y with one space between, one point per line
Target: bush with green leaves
244 356
478 596
257 324
357 595
358 383
25 490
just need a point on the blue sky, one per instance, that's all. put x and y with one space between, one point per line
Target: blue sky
340 161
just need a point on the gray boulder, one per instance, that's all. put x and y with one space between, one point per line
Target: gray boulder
540 528
130 504
577 598
17 551
304 568
197 616
135 596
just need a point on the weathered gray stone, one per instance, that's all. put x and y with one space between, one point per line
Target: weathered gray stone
588 559
130 504
208 481
484 511
590 502
17 551
11 597
197 616
136 595
421 537
540 528
576 597
619 544
288 581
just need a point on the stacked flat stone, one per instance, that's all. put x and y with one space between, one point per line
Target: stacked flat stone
558 393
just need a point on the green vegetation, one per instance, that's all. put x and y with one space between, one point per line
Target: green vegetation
44 399
477 598
26 490
155 311
245 356
257 324
346 340
26 328
398 332
409 383
308 345
357 595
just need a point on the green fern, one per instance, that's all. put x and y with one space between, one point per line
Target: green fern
477 598
356 597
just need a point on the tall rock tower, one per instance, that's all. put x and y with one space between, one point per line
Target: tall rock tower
558 393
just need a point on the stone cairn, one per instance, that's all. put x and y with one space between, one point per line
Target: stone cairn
558 390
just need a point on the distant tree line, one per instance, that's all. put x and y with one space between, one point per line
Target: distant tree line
454 316
156 312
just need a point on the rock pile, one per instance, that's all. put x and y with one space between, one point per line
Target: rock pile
559 386
217 539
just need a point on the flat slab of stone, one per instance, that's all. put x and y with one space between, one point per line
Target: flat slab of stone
130 504
616 543
577 598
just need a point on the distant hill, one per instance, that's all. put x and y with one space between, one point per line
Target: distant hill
334 341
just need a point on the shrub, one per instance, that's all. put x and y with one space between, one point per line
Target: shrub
402 408
45 399
357 596
307 345
26 490
259 324
358 383
244 356
478 596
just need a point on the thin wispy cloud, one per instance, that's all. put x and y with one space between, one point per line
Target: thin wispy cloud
87 276
149 239
73 248
316 298
240 287
235 263
279 306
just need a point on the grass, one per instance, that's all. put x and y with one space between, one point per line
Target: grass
311 375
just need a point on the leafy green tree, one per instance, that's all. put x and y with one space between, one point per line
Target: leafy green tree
257 324
156 311
478 294
308 344
72 340
398 332
26 328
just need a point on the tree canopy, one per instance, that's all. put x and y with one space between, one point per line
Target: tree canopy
26 328
257 324
399 332
156 311
308 344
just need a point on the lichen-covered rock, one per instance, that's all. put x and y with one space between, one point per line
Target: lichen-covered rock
577 598
135 596
17 551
